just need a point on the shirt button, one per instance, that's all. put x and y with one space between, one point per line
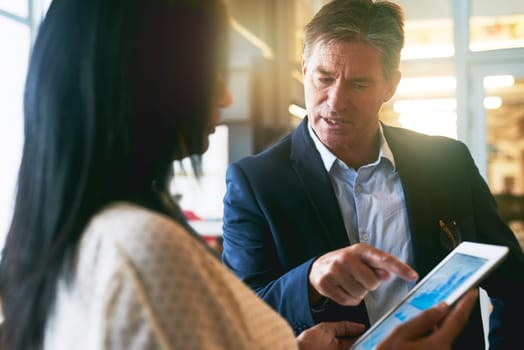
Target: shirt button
364 236
358 189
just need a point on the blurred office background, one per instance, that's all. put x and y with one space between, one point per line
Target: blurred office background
463 77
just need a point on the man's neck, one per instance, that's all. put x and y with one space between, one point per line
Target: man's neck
355 156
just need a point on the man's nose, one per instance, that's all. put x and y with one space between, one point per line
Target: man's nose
337 98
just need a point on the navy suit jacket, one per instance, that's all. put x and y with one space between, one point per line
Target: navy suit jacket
280 213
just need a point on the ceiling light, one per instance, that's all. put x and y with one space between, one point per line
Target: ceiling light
426 51
492 102
424 84
265 49
498 81
297 111
441 123
425 105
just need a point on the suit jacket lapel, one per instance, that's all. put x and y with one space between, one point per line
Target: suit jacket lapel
310 171
417 191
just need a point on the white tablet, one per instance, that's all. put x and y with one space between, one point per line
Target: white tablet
461 269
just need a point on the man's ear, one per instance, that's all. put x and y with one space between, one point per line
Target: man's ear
392 86
304 67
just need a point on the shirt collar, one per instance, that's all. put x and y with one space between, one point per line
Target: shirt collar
329 158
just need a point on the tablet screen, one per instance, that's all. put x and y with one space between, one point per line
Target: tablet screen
445 280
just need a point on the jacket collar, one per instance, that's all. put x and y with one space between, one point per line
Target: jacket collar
305 159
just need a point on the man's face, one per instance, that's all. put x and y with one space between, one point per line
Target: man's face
344 89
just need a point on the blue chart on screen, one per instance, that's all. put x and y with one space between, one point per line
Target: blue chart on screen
439 289
434 290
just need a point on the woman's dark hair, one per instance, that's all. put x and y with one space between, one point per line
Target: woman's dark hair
116 90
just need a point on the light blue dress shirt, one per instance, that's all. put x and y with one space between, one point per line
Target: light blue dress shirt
371 200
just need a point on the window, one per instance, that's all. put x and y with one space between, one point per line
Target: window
15 44
496 25
17 26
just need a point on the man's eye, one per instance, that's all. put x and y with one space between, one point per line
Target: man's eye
357 86
325 80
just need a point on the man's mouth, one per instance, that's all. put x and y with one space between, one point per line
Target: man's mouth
332 121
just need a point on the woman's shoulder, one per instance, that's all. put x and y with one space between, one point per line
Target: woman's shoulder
137 233
125 217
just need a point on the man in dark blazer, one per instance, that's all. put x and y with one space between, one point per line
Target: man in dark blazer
281 214
318 249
